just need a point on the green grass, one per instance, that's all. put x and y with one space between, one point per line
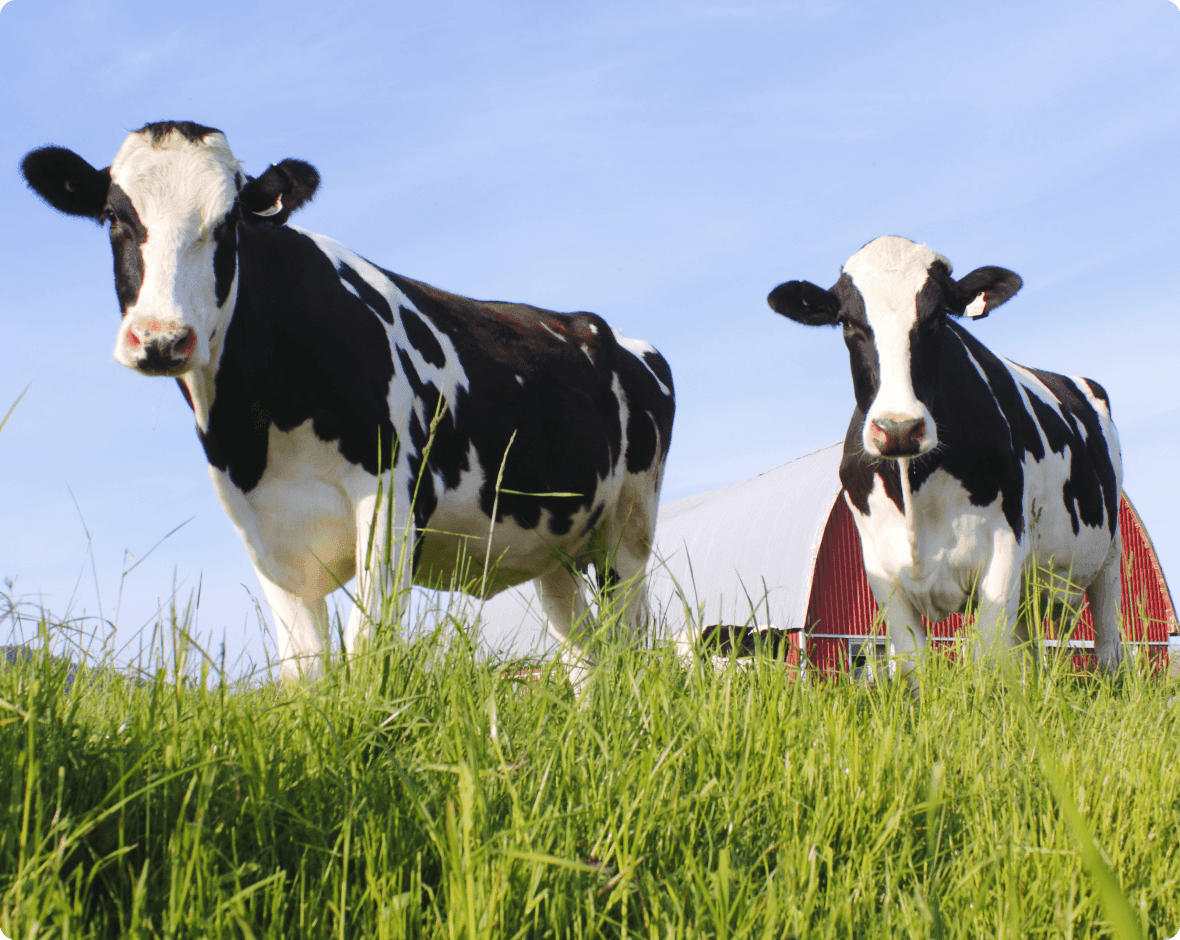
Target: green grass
416 791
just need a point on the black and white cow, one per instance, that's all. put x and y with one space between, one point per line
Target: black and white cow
315 378
964 471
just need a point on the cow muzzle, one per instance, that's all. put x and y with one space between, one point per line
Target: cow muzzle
898 438
156 348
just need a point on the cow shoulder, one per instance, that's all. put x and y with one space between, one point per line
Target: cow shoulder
984 426
299 347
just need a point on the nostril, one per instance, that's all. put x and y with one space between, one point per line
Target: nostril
186 344
132 340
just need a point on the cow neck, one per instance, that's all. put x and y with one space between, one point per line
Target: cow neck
201 382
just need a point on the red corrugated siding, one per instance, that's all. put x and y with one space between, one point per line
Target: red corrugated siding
1147 604
842 605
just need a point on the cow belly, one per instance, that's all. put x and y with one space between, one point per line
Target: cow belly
1054 547
455 546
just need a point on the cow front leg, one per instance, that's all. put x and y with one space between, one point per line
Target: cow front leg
564 602
384 564
301 631
998 606
1106 601
906 631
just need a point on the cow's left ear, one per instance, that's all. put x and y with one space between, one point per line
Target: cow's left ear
980 292
281 190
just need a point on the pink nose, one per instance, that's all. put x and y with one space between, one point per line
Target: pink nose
897 438
159 348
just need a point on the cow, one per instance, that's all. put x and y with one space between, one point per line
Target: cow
357 422
966 473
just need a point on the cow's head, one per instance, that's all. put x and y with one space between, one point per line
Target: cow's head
172 201
892 300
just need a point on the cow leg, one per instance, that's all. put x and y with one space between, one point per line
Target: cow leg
384 565
564 603
1106 600
996 617
906 632
301 631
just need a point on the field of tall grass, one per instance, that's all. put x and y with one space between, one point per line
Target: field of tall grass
421 789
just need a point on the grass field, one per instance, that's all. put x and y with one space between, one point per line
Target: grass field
418 792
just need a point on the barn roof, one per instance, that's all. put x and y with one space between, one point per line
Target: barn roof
771 525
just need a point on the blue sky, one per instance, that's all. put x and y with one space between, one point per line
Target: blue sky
664 164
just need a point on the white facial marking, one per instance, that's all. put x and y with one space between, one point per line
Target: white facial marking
889 272
181 191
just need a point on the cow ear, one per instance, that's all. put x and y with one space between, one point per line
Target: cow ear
66 181
281 190
980 292
805 303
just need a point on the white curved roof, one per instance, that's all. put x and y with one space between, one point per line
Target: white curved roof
743 553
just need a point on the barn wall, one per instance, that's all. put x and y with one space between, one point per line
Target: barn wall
1146 599
841 606
843 624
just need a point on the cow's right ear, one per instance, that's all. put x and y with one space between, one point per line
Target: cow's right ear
66 181
282 189
805 303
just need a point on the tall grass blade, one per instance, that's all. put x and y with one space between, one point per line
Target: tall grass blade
8 414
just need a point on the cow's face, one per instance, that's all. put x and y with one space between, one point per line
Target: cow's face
172 201
892 300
